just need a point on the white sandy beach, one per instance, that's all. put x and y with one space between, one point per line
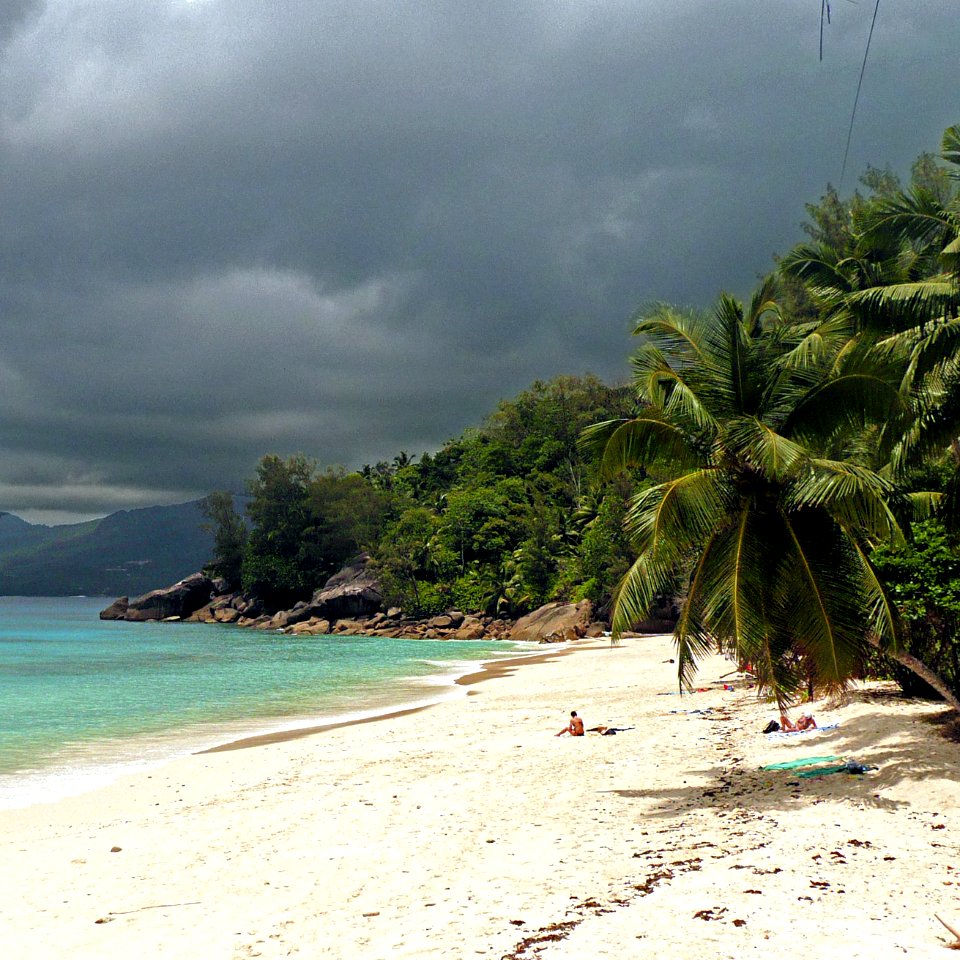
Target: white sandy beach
469 830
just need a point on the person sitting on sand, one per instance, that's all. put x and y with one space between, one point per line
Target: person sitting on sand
804 722
574 727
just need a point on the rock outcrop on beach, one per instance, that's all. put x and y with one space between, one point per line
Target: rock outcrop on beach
178 601
350 602
226 607
117 610
555 622
353 592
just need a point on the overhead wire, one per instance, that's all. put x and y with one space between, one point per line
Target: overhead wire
856 99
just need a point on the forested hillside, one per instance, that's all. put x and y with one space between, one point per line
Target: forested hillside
126 553
501 519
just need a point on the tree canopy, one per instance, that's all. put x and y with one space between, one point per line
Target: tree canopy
785 439
500 519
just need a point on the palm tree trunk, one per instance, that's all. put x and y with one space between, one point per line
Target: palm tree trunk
924 672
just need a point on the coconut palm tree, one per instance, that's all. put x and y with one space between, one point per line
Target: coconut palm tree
897 286
768 497
919 318
900 263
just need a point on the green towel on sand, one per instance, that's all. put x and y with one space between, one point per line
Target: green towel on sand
793 764
823 771
851 766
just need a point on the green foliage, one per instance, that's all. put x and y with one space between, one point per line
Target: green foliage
535 562
481 524
229 537
923 577
277 580
760 500
488 520
347 514
605 551
469 592
485 523
275 566
404 563
306 525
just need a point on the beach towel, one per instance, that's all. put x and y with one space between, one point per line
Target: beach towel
794 764
851 766
800 733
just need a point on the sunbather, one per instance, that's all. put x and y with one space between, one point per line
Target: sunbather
804 722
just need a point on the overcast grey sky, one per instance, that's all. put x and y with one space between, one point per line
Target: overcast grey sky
231 227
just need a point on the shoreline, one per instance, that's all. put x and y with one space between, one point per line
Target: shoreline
474 831
52 780
490 670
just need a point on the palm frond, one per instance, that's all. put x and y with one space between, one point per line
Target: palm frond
675 333
725 371
738 601
762 303
904 305
844 399
883 618
861 497
924 503
818 267
950 147
671 516
820 599
950 256
692 634
772 455
915 217
930 346
649 577
686 403
819 344
640 441
665 388
934 429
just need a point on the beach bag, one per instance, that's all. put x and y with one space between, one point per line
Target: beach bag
771 727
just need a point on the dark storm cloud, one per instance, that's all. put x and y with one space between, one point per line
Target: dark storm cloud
347 229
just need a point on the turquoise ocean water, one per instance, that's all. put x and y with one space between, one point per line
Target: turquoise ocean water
83 701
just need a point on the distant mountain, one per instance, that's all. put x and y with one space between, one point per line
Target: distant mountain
126 553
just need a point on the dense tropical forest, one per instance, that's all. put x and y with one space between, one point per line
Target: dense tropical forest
790 466
502 519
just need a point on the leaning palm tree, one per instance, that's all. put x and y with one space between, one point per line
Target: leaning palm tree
768 495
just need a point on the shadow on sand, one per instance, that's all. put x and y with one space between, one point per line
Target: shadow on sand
903 750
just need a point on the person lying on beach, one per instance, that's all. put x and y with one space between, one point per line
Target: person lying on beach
574 727
804 722
605 731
